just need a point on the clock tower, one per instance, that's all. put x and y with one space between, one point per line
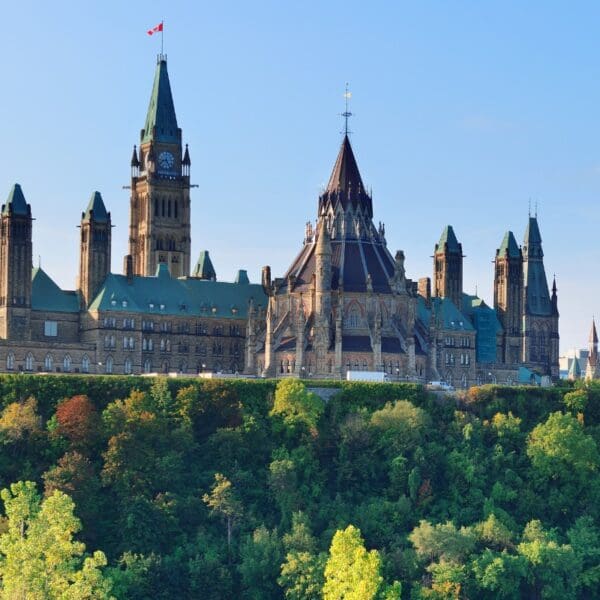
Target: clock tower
159 223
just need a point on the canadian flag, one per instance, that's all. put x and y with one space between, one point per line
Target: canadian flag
156 29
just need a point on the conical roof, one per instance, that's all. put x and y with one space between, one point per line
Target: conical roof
96 209
204 268
532 233
448 237
574 369
161 122
345 184
345 174
16 203
509 246
593 339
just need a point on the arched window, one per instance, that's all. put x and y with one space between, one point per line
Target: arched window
144 344
48 362
176 207
10 362
156 207
127 366
85 364
147 366
67 363
165 367
109 365
163 207
169 208
29 362
353 318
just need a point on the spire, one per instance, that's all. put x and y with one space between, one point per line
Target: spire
509 246
593 339
16 203
204 268
161 122
345 175
448 237
134 159
186 157
533 238
96 210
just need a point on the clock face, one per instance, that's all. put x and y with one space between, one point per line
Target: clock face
166 161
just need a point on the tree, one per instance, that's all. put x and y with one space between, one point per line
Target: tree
297 406
576 401
400 426
351 573
78 421
261 554
223 503
19 420
559 448
302 573
39 557
443 541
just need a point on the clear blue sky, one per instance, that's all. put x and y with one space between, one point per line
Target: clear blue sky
464 111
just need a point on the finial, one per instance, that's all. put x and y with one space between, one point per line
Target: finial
347 114
476 290
529 209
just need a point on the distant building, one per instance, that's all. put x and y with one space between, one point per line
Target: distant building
345 302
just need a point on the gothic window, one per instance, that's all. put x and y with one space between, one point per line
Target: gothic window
156 207
176 208
29 362
169 208
163 207
463 380
147 366
449 377
165 367
353 318
85 364
67 363
48 362
162 345
10 362
144 344
168 345
150 345
127 366
109 365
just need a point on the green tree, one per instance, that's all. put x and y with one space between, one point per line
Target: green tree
297 406
224 503
351 573
560 448
39 559
261 554
443 541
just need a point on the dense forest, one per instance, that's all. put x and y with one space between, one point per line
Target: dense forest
135 488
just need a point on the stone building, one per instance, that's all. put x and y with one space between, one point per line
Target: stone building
345 303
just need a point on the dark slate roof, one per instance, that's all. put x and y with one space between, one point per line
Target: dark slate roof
509 246
96 209
161 122
16 203
391 345
345 184
352 260
448 237
356 343
204 268
537 297
593 339
288 343
47 296
164 295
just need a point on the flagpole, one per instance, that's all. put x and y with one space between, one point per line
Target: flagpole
162 36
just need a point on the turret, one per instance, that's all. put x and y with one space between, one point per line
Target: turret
592 367
95 249
15 267
448 268
323 270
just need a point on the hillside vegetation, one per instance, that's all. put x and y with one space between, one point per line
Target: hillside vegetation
123 487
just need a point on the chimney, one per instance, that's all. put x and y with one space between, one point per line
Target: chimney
424 290
266 279
128 267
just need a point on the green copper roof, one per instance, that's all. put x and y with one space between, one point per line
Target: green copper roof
16 201
448 237
446 314
509 245
204 268
486 323
161 122
46 295
242 277
96 209
165 295
574 369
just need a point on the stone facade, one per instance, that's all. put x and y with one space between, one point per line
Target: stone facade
344 304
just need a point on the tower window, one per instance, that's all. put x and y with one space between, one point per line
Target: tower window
175 208
169 209
156 207
50 328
